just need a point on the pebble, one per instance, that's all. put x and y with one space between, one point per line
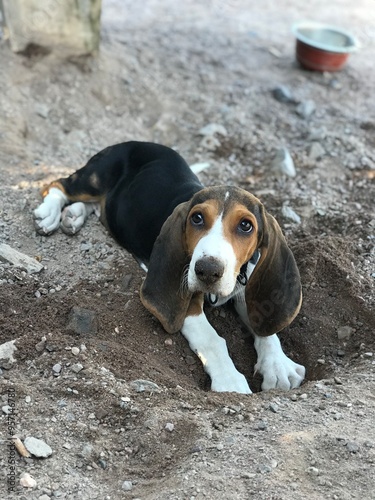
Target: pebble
82 321
144 386
7 409
27 481
273 407
7 351
56 368
44 497
282 94
290 214
305 109
261 426
127 485
75 351
209 142
213 128
37 447
344 332
352 446
283 163
28 399
76 368
169 427
40 346
168 342
316 151
313 471
317 134
41 109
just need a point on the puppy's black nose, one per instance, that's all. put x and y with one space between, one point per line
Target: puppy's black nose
209 270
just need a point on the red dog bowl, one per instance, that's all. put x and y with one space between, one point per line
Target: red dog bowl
322 48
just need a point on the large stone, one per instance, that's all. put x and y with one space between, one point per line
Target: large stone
18 259
71 27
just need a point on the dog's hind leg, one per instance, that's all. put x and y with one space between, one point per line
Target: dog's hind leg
88 185
75 215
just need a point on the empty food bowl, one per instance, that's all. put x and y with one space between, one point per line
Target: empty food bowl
321 47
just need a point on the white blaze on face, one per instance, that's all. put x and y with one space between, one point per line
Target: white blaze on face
214 244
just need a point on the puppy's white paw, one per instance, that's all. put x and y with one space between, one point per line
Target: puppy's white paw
73 218
278 371
47 218
235 382
47 215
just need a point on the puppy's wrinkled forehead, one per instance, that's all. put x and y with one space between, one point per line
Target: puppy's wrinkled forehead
226 198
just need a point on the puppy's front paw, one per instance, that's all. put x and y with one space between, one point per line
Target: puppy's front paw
47 218
278 371
235 382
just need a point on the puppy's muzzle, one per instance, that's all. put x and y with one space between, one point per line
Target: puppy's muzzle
209 270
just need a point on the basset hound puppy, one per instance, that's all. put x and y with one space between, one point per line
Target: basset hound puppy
216 243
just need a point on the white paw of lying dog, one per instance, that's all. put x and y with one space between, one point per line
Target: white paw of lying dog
47 215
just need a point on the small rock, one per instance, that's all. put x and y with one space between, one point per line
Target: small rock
290 214
144 386
317 134
305 109
41 109
261 426
283 163
352 446
209 142
313 471
274 407
127 485
282 94
7 351
7 409
27 481
168 342
212 129
56 368
76 368
75 351
344 332
37 447
169 427
83 321
316 151
40 345
190 360
28 399
44 497
102 463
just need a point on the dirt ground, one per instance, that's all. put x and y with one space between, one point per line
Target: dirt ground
165 70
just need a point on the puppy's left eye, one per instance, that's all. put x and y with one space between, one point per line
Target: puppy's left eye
245 226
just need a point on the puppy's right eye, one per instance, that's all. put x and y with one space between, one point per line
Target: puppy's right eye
197 219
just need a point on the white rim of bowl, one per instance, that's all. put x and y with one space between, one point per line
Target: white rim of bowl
354 45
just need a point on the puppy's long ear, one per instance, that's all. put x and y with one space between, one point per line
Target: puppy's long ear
162 292
273 293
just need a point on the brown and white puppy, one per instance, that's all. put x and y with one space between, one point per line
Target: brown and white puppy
194 242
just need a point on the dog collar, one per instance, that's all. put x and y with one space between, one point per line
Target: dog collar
242 278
